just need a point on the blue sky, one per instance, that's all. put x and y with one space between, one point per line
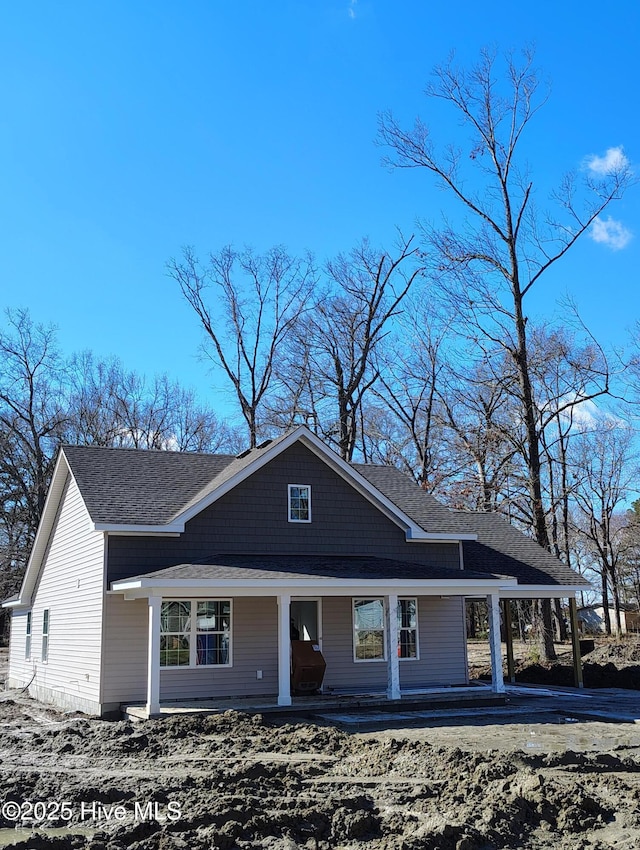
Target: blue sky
129 129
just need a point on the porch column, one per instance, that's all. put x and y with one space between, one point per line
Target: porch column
153 658
393 664
493 610
575 643
284 649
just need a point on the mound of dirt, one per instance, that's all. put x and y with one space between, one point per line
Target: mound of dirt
612 664
237 782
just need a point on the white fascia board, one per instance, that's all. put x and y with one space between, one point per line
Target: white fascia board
15 603
171 530
58 480
439 536
543 591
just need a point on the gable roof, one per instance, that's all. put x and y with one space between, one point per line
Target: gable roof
136 490
155 491
140 487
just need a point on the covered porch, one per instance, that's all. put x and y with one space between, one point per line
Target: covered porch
390 660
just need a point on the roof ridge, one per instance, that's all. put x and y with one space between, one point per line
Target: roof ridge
181 452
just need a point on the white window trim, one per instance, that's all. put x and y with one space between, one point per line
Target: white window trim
384 630
193 643
382 599
289 488
44 650
417 630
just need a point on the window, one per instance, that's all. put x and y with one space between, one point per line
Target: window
368 630
27 643
299 503
369 642
407 628
175 622
45 634
213 630
209 620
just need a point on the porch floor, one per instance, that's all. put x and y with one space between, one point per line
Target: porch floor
471 696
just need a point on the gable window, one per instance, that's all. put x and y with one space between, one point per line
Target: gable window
368 630
407 628
195 633
299 503
45 634
27 642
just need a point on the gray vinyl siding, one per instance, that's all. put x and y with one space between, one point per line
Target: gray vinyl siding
125 636
254 646
252 518
70 586
20 669
441 638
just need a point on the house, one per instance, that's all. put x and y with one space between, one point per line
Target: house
591 619
159 576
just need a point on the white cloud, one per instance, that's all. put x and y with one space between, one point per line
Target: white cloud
609 232
614 160
352 10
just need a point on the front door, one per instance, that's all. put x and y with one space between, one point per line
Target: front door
305 620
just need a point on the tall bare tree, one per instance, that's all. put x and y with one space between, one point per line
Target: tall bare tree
496 256
606 469
256 299
331 366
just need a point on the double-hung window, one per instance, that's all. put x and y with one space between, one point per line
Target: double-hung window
369 630
407 628
299 503
195 633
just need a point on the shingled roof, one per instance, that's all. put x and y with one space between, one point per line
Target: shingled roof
152 488
247 567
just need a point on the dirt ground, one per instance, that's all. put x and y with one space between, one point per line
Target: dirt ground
493 779
613 663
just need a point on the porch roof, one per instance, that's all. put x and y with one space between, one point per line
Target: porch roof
313 574
314 567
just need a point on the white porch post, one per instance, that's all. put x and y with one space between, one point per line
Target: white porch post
153 659
493 609
284 649
393 664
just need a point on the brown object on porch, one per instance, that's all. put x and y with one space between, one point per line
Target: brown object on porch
307 666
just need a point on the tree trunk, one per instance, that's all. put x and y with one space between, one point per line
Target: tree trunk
561 623
605 601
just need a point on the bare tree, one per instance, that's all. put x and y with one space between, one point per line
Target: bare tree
32 411
493 260
605 470
111 406
409 365
256 301
336 340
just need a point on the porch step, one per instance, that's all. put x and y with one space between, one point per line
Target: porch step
319 706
